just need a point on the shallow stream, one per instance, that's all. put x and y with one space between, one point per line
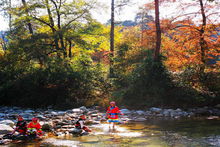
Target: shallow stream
197 132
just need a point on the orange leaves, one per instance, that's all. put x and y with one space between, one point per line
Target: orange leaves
181 45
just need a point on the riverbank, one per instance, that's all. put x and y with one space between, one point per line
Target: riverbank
61 122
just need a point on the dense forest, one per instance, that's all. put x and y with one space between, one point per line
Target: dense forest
55 54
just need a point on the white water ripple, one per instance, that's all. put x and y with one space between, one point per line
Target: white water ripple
59 142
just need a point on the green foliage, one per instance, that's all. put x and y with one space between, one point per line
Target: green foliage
147 85
52 64
62 84
206 84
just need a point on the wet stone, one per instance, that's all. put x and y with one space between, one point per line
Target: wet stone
7 122
77 110
29 111
4 129
2 114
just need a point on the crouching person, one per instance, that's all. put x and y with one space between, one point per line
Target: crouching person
80 127
19 131
34 128
21 126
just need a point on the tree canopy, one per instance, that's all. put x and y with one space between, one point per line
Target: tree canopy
56 54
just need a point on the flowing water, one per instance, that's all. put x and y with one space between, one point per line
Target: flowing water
199 132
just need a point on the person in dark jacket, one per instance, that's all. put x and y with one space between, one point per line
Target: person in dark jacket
80 124
21 126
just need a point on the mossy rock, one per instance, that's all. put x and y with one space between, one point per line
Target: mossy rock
46 127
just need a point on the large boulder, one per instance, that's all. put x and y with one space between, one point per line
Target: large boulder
148 113
54 113
61 112
140 112
7 122
178 110
166 112
84 109
125 111
155 110
77 110
41 117
4 129
29 111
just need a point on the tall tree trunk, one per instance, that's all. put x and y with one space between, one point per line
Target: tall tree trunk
112 36
70 49
10 18
52 27
142 28
26 11
158 31
59 26
202 41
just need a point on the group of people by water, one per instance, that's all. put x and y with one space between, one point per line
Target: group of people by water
34 127
23 128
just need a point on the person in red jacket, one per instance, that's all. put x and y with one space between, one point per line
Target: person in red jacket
34 127
112 114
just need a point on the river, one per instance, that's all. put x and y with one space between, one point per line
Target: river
193 132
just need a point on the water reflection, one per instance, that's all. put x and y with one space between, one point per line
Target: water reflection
118 131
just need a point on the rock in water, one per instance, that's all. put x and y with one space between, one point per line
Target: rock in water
140 119
125 111
75 131
84 109
7 122
29 111
2 114
77 110
46 127
5 141
139 112
156 110
54 113
4 129
61 113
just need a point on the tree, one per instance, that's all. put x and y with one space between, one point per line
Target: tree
112 38
158 31
199 33
28 21
56 19
120 4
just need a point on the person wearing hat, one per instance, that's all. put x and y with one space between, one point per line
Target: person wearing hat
21 126
112 114
34 127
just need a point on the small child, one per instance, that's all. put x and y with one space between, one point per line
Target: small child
80 124
112 114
